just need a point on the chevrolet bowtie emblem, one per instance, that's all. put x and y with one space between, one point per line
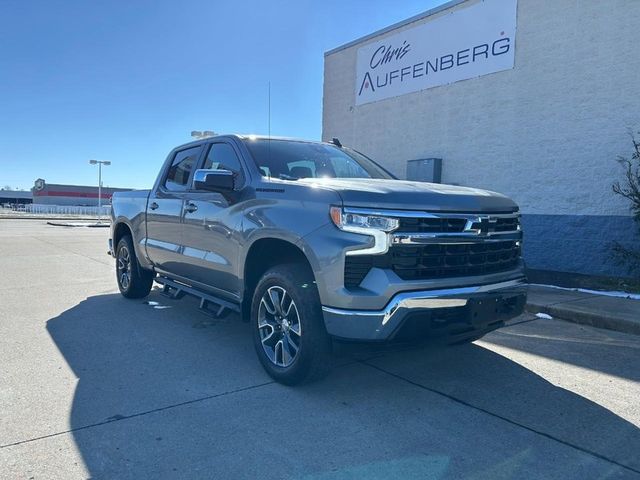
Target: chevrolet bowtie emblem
481 225
486 223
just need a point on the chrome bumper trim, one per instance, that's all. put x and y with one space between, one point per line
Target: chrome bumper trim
404 303
461 238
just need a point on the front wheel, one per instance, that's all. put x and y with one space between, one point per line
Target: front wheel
133 280
289 336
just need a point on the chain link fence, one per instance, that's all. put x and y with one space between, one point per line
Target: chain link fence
84 211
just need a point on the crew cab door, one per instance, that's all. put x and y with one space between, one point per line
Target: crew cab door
164 212
212 223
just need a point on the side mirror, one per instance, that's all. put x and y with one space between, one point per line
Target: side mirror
213 180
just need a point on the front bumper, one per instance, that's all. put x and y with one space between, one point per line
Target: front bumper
462 312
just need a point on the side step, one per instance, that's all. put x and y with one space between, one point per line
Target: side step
209 304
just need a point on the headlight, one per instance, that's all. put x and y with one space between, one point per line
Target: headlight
345 220
365 223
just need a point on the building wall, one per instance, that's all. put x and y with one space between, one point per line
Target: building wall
546 133
13 197
69 195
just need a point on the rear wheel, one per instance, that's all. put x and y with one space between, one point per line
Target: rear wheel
289 336
133 280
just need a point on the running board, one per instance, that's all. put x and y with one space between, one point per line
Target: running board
209 304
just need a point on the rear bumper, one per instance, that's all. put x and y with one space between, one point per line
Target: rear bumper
463 312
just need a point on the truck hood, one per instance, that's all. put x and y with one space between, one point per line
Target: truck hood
407 195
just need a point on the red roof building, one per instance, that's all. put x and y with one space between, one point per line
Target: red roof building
80 195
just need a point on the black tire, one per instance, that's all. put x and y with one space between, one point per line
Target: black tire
133 280
311 360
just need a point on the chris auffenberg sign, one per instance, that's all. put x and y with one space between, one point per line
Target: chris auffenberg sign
470 42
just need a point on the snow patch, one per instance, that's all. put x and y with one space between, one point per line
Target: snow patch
632 296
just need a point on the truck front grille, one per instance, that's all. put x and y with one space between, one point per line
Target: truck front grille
436 261
454 260
431 225
454 224
444 245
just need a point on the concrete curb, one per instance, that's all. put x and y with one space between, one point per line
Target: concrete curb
610 313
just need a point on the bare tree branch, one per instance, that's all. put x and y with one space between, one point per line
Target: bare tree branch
629 189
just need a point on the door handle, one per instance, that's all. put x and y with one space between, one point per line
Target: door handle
153 205
191 207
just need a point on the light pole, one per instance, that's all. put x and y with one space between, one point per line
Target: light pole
99 163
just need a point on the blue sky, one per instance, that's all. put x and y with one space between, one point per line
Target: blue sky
127 81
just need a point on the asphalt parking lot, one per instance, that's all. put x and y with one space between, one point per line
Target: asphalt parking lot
94 385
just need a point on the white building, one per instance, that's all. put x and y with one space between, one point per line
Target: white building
531 98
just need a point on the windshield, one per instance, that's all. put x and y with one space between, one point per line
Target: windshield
291 160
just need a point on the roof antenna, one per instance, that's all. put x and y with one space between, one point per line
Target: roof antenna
269 109
336 142
269 127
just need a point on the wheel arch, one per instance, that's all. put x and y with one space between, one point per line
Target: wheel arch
120 229
263 254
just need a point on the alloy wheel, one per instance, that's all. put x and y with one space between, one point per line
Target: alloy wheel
124 267
279 326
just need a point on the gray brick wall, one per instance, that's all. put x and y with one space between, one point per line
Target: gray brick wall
577 243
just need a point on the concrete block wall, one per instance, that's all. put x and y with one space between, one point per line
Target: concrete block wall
546 133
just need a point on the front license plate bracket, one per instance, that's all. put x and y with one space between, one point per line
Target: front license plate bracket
481 311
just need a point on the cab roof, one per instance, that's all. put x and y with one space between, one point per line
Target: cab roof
248 137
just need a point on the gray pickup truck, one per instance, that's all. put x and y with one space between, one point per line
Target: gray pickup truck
314 241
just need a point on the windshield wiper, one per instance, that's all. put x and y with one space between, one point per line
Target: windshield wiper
284 176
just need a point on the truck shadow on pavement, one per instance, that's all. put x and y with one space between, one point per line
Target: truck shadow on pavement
165 391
